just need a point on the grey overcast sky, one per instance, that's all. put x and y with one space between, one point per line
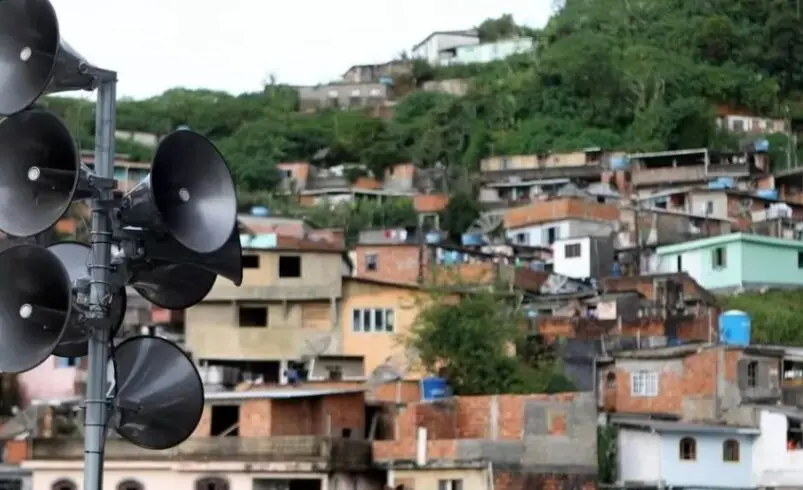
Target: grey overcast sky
235 45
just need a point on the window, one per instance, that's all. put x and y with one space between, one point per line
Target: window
709 208
250 261
371 264
800 260
225 421
730 451
64 484
253 316
372 320
719 258
688 449
355 101
752 374
644 383
289 266
521 238
10 484
610 380
551 235
571 251
450 484
679 261
130 485
211 483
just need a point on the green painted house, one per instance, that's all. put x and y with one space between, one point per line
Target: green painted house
736 261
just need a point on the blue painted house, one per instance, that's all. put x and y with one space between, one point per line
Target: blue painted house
661 454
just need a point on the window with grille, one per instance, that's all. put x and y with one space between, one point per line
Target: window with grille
644 384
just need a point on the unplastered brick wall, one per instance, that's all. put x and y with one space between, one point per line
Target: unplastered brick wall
524 436
303 416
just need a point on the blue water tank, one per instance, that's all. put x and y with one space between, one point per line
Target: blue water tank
734 328
434 388
768 194
261 211
762 145
620 162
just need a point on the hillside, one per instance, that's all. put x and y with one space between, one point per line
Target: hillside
610 73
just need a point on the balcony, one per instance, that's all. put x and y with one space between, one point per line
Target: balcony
333 453
226 291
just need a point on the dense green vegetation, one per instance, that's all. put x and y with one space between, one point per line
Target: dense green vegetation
776 315
611 73
452 338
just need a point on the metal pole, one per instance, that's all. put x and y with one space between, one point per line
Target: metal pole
100 291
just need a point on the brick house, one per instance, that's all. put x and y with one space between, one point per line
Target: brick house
310 439
505 442
692 382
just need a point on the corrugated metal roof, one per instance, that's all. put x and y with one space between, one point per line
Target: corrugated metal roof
279 394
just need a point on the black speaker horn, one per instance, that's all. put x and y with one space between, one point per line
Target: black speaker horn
34 58
226 262
189 194
159 393
75 257
36 303
171 286
40 169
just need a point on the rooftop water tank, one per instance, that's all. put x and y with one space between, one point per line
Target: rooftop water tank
472 239
762 145
734 328
768 194
260 211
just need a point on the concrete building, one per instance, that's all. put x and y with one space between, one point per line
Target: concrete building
692 382
345 95
432 46
542 223
485 52
736 261
277 439
503 442
658 454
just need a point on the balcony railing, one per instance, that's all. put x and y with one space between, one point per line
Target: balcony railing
336 452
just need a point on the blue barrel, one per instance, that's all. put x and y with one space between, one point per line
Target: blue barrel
261 211
734 328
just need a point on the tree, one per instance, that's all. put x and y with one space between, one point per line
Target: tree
469 342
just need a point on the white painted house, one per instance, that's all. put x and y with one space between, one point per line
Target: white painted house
663 454
545 234
431 47
581 258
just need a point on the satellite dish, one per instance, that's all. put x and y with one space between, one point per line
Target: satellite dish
75 257
160 395
36 304
189 194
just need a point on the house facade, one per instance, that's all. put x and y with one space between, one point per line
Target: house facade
486 52
431 47
660 454
544 222
737 261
